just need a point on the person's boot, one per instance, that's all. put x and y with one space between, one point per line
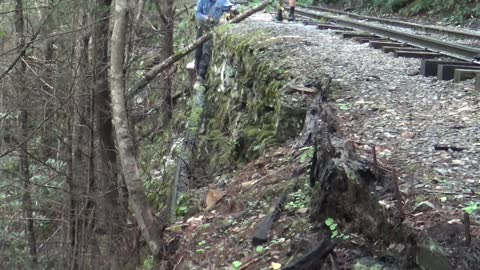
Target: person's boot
279 15
291 16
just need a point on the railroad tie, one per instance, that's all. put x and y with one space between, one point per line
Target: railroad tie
420 54
465 74
446 72
430 67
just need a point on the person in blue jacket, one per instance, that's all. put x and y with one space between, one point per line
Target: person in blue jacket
208 14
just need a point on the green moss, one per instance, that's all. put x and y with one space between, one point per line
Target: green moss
245 109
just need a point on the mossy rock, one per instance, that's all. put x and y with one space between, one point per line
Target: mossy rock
431 256
369 263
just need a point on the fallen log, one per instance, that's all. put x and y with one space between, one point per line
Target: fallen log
262 231
344 189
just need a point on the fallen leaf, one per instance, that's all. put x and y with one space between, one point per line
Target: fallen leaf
194 222
302 210
213 196
454 221
248 184
276 266
424 207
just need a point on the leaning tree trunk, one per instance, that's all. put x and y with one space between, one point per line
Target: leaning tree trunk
27 204
149 227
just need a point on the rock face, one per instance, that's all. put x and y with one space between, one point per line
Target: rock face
248 105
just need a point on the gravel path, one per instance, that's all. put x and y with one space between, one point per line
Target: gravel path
381 103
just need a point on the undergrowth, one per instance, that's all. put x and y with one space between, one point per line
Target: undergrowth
452 11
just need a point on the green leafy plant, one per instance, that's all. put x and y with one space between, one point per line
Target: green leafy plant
277 241
307 153
148 263
236 265
259 249
343 107
183 205
299 199
334 229
472 208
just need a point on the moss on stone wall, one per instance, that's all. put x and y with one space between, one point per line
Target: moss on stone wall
246 109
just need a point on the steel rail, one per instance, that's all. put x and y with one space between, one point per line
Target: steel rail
450 49
415 26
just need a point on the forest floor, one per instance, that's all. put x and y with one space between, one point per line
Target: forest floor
380 102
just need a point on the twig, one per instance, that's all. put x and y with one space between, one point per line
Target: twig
263 178
247 265
398 197
375 162
178 263
468 236
470 195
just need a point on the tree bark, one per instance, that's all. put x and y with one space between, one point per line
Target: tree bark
165 8
113 211
144 216
27 203
48 139
83 183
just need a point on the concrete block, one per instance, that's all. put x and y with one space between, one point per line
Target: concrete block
446 72
430 67
422 54
464 74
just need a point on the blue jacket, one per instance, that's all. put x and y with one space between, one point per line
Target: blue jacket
212 8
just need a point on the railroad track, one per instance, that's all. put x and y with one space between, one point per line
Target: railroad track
446 60
427 29
451 49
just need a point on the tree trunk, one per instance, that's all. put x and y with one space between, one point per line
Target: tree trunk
83 184
24 132
113 211
149 227
165 8
48 139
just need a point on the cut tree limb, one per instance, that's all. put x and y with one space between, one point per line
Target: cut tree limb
315 259
157 69
261 234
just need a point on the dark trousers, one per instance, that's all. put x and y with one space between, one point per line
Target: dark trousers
203 53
